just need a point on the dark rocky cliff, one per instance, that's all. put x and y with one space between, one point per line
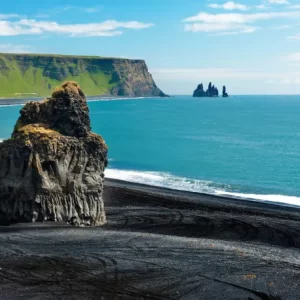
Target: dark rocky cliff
52 167
37 75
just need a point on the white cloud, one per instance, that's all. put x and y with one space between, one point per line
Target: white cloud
83 9
261 6
106 28
293 57
286 81
223 73
10 48
91 10
223 28
296 6
233 23
8 16
294 37
278 1
282 27
291 81
238 18
230 5
194 76
42 16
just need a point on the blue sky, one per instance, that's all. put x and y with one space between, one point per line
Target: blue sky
251 46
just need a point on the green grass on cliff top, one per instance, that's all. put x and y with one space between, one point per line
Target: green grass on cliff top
19 81
66 55
33 83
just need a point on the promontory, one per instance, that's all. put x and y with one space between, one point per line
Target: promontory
36 75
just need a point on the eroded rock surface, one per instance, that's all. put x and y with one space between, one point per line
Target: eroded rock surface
211 91
52 167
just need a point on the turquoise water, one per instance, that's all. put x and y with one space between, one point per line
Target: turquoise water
245 146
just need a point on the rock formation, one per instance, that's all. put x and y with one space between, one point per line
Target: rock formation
52 167
199 92
212 91
38 74
224 93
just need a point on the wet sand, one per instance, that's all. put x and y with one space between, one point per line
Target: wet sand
158 244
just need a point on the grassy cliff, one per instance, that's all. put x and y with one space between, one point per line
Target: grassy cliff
30 75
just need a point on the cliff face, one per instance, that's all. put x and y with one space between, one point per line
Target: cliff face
37 75
53 166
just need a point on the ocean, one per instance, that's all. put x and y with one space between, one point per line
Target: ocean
243 146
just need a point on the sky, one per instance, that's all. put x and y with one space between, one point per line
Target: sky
251 46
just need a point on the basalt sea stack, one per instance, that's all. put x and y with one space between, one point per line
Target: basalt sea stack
52 167
211 91
224 92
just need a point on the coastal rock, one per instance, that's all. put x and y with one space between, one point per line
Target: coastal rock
199 92
134 80
211 91
52 169
224 93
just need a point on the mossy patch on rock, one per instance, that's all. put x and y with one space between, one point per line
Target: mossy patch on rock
37 132
68 87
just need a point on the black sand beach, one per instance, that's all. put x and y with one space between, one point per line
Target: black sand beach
158 244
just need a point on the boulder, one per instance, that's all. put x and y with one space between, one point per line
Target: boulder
52 168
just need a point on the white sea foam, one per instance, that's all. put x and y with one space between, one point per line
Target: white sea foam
162 179
292 200
10 105
114 99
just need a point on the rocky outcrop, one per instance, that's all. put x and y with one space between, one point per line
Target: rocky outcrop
52 167
224 93
38 74
134 80
211 91
199 92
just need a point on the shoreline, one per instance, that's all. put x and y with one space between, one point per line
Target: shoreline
15 100
225 218
157 244
201 195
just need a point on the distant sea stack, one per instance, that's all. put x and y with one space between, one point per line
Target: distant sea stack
224 93
199 92
37 75
211 91
52 168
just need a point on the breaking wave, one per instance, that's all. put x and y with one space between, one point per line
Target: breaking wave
10 105
168 180
114 99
